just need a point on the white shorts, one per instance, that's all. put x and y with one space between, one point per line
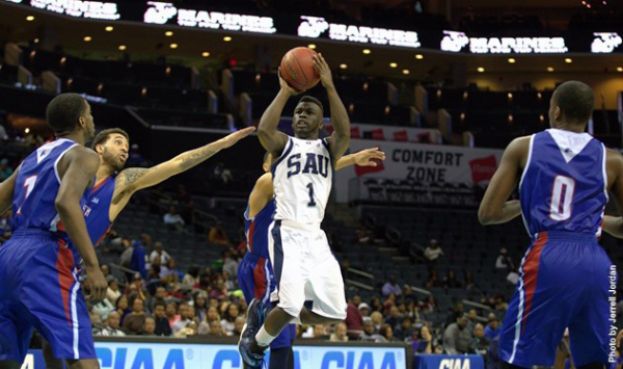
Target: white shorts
305 270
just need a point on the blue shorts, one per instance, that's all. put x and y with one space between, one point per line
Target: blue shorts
567 281
257 280
39 289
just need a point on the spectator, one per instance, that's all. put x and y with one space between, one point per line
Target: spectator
230 265
395 318
173 220
239 325
340 333
479 343
113 292
369 334
230 317
137 262
112 326
217 236
492 330
121 307
391 287
135 321
320 332
191 278
364 309
188 330
5 169
421 340
433 281
159 252
450 281
457 338
216 329
187 316
171 313
377 320
404 329
149 328
432 252
160 318
211 316
354 319
503 261
388 333
200 304
103 308
96 323
170 273
126 255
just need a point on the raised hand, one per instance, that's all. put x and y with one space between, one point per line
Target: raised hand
321 66
285 87
232 138
369 157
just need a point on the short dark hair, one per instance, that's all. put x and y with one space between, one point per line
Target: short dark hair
575 100
64 112
103 136
311 99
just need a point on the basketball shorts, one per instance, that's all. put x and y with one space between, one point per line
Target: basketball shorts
39 289
306 270
256 279
567 281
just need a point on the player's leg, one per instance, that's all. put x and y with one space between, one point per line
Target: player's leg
326 286
51 362
57 306
541 307
593 328
83 364
281 354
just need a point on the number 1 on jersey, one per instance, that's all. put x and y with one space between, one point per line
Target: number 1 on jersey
311 202
562 197
29 185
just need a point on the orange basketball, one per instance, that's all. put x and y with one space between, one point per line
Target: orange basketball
297 68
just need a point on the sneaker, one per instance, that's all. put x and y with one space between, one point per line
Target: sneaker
252 354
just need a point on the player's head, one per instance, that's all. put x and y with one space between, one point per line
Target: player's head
268 160
571 105
112 145
68 113
308 118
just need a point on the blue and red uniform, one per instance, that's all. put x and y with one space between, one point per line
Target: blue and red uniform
567 280
39 285
255 273
97 209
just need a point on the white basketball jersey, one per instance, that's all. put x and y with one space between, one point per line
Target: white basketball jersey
302 179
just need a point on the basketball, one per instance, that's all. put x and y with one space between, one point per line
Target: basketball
297 68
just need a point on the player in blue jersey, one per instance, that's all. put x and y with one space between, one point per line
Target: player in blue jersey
114 186
566 279
255 274
39 287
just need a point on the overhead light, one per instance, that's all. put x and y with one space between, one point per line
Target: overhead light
227 38
393 65
511 60
406 72
27 131
419 56
109 28
480 69
122 47
87 38
169 33
36 40
205 54
30 18
343 66
366 51
173 46
550 69
619 69
568 60
312 46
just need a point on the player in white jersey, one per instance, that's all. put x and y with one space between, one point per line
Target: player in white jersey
305 269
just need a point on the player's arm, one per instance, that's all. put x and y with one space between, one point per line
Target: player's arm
495 208
613 225
6 192
131 180
261 194
340 138
364 158
80 166
270 137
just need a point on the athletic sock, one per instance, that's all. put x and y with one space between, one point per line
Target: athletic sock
263 338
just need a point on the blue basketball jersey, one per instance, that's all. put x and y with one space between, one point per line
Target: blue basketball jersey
97 209
256 229
37 186
564 184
